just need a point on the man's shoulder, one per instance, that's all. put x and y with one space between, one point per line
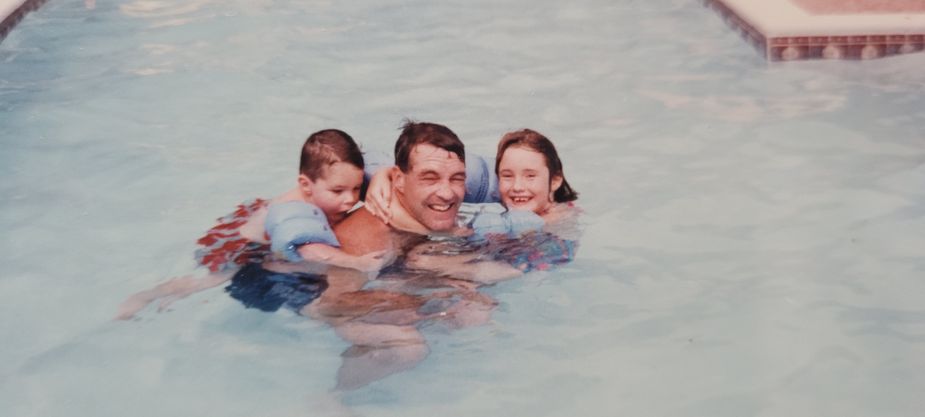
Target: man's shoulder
361 232
361 219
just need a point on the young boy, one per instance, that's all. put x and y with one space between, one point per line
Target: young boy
295 226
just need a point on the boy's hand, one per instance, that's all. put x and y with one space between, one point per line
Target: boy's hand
379 195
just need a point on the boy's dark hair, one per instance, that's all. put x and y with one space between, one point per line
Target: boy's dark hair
414 133
535 141
326 147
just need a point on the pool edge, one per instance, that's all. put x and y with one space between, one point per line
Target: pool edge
13 14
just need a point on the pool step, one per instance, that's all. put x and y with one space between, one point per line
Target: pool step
788 30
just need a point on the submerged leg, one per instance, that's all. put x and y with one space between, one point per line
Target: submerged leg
378 350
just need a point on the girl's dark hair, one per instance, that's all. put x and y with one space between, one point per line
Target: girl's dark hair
535 141
326 147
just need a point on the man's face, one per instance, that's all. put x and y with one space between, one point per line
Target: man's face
433 188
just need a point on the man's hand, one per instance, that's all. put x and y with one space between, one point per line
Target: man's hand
375 261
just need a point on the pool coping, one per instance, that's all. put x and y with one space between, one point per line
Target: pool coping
787 33
13 11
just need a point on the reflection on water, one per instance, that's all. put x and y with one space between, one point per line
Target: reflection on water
749 109
155 9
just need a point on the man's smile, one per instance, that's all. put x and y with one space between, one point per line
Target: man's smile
441 207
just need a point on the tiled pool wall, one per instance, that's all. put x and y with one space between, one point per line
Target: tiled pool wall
841 46
12 12
789 48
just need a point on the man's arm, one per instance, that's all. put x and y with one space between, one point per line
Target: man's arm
369 262
463 266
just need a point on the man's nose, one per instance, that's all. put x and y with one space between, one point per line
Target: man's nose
445 191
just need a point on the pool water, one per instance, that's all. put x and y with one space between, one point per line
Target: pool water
754 233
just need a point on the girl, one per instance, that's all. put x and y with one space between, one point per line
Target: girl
532 186
530 180
530 175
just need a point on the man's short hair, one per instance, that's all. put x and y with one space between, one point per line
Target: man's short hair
414 133
325 148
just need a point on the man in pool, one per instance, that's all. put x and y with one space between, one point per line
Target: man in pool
428 185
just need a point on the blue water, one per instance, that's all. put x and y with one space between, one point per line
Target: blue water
754 232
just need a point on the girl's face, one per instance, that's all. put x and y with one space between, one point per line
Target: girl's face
523 180
336 191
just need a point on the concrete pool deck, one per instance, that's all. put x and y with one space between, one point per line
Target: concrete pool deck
12 11
785 30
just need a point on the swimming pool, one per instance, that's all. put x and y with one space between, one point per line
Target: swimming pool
754 232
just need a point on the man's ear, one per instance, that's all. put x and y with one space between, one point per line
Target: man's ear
306 185
398 179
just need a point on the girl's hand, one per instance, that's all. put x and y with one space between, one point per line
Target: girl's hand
560 212
379 195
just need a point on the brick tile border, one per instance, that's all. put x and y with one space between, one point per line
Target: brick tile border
791 48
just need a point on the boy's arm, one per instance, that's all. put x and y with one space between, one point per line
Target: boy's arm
294 224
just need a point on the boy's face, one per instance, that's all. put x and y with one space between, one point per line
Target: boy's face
433 188
523 180
336 191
